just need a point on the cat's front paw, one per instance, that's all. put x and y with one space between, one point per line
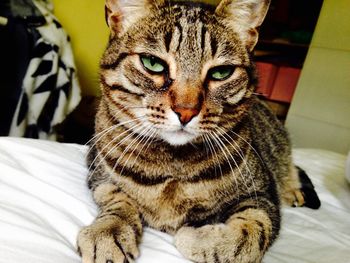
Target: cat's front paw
107 242
221 243
205 244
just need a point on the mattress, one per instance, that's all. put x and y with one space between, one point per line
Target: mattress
44 201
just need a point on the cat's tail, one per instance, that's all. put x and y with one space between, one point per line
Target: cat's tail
308 190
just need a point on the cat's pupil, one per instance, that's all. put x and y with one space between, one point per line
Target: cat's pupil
152 61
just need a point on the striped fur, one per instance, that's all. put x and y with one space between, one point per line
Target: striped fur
201 159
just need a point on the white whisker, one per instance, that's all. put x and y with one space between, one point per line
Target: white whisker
148 136
256 152
139 126
241 155
217 135
107 130
111 118
214 153
141 135
217 142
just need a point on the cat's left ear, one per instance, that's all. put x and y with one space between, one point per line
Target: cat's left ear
121 14
245 16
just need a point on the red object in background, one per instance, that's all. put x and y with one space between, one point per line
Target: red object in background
285 84
267 73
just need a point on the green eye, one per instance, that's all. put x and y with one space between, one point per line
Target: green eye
153 64
221 72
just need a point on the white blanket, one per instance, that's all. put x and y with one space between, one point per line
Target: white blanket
44 201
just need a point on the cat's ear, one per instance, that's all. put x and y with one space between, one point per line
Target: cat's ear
245 16
121 14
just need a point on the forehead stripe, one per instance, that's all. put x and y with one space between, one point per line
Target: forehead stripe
116 63
120 88
203 32
179 28
213 45
167 40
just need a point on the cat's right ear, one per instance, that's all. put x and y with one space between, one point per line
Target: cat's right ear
121 14
245 16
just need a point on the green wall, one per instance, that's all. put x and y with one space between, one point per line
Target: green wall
319 116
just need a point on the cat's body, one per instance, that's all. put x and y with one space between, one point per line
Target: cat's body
186 184
182 143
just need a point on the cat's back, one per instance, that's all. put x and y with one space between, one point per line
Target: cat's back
269 140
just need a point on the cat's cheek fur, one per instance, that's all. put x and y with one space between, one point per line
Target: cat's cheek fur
237 97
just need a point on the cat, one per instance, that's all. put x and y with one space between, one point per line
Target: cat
182 144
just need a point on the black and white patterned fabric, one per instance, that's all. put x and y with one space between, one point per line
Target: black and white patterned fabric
50 88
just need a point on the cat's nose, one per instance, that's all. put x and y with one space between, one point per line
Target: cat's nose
185 114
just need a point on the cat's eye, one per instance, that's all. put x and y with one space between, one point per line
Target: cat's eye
153 64
220 72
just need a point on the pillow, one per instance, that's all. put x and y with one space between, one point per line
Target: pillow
44 201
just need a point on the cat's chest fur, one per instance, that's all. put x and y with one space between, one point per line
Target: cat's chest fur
174 188
169 205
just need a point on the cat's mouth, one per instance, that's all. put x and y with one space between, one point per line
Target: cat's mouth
180 136
182 131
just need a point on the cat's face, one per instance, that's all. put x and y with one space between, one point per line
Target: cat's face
178 71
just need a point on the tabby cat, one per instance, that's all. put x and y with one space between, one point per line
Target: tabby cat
182 143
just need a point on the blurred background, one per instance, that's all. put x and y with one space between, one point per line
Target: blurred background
303 60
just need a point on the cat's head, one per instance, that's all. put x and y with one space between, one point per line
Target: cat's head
177 70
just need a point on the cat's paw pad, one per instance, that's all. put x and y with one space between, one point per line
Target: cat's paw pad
106 243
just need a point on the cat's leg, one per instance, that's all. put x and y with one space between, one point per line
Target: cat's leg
291 189
298 190
243 238
114 236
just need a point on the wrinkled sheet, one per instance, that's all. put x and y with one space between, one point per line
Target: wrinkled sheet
44 201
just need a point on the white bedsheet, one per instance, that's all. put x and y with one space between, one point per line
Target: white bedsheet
44 202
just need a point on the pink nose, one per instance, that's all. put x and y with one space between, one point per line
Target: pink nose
185 114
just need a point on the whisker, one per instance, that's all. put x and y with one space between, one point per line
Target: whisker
109 129
125 107
141 135
129 145
139 125
112 128
103 133
214 153
115 147
150 136
241 155
235 162
98 134
255 151
233 159
153 138
217 142
206 147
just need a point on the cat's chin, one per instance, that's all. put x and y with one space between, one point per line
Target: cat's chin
177 138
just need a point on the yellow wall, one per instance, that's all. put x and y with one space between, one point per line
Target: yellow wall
85 23
319 116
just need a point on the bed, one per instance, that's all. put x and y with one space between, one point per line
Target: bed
44 201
